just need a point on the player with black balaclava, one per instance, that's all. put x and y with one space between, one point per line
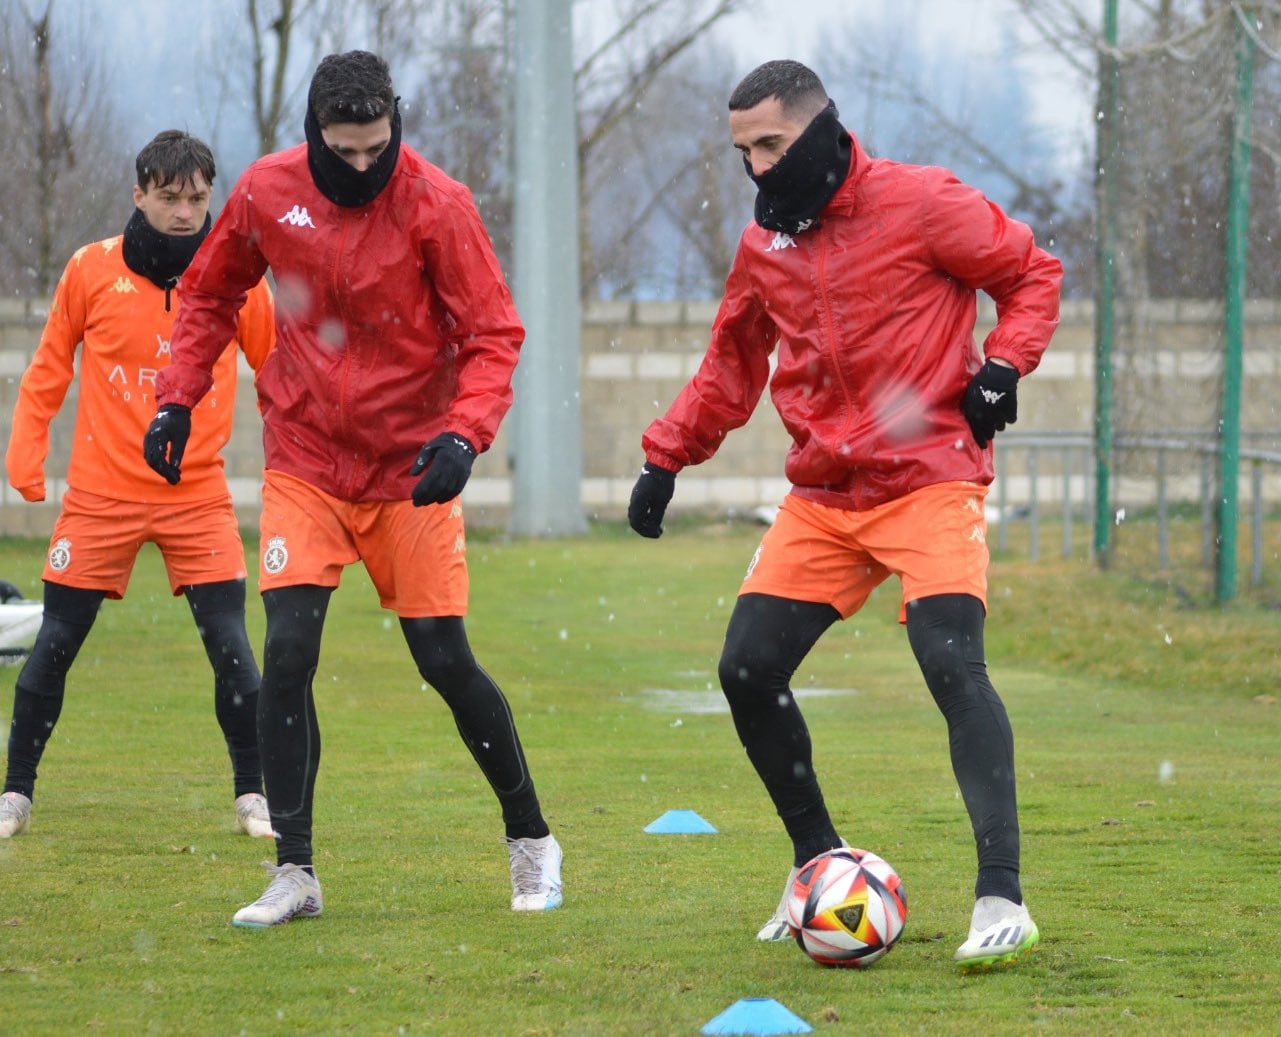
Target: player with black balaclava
397 339
859 275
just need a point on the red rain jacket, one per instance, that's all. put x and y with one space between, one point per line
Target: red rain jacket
393 322
873 314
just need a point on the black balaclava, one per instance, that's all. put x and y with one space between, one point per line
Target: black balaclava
340 182
791 195
159 257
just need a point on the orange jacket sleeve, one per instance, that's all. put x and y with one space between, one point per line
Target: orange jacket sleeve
44 385
256 325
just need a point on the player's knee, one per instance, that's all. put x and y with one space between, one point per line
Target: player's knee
290 654
745 676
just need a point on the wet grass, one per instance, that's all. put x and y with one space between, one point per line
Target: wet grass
1147 734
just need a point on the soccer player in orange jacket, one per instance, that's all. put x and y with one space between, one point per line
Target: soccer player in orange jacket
117 300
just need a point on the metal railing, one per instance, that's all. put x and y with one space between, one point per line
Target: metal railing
1026 497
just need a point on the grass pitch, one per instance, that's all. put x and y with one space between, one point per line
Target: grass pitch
1148 744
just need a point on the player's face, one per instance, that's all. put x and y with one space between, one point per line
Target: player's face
763 133
178 207
358 143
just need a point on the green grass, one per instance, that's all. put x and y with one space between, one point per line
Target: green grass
1157 900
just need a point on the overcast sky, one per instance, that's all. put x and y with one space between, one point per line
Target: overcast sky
148 37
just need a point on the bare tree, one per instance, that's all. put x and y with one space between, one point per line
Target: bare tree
666 196
1178 92
453 64
64 170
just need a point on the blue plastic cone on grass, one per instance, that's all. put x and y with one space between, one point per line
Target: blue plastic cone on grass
680 822
757 1015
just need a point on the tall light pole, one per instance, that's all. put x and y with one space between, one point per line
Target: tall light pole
546 420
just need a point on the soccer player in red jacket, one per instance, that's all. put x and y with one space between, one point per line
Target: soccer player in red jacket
396 342
860 276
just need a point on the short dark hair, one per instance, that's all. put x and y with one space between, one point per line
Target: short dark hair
174 156
795 85
351 87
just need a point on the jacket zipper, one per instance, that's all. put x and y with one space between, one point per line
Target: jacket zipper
829 324
344 378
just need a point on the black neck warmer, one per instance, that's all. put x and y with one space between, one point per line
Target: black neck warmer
791 195
342 183
160 258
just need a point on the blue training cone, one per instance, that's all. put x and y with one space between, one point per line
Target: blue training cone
757 1015
680 822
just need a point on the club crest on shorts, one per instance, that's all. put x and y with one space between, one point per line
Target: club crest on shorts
275 555
60 555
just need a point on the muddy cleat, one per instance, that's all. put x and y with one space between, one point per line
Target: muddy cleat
776 928
1000 932
535 865
252 815
293 891
15 814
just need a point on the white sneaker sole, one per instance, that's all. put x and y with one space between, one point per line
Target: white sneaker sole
1000 944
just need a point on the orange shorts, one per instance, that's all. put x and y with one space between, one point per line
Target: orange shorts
416 557
934 540
96 541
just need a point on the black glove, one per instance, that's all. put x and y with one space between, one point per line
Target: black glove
448 459
167 434
991 400
650 497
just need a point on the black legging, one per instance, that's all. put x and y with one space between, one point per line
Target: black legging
765 643
69 615
290 735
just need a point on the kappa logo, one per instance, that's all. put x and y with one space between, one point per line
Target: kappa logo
123 285
298 216
460 544
780 242
992 396
977 535
276 556
751 566
60 555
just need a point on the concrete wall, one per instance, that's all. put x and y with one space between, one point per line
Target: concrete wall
637 356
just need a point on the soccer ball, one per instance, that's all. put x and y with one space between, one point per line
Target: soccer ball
848 908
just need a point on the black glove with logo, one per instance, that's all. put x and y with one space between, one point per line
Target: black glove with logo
166 441
991 400
650 497
448 459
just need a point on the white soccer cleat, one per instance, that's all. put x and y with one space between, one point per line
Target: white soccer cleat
1000 932
777 928
15 814
293 891
252 815
535 865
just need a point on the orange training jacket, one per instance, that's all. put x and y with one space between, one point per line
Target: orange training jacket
121 319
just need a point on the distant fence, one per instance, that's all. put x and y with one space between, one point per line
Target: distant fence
1053 474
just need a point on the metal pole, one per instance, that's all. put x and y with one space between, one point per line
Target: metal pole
1107 144
1225 584
1234 305
547 416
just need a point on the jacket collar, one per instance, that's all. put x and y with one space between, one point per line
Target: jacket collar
845 199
